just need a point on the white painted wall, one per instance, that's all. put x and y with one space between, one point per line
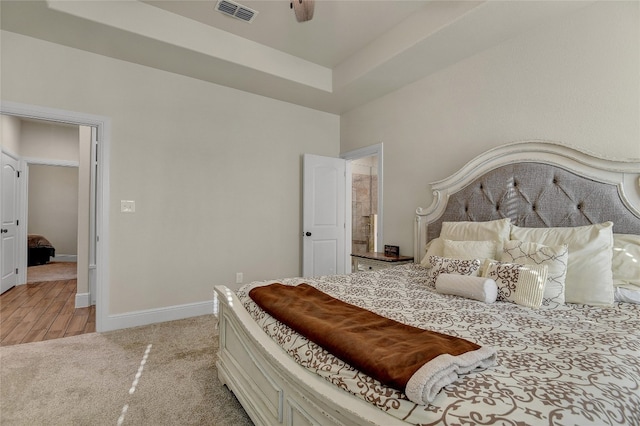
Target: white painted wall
215 172
575 80
45 140
10 134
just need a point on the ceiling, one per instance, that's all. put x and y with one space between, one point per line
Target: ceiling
327 40
351 52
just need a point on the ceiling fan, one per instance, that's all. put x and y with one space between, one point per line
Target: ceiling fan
303 9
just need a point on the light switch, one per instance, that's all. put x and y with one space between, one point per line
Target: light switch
127 206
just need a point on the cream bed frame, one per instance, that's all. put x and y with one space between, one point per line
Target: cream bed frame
275 390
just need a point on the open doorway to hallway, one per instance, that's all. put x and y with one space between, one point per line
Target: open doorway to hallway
100 129
53 198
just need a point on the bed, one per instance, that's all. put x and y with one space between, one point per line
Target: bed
40 250
566 353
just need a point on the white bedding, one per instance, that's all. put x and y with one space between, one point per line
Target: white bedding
574 364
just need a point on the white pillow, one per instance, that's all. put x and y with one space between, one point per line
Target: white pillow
435 247
470 249
520 284
493 230
477 288
589 277
626 261
627 295
555 257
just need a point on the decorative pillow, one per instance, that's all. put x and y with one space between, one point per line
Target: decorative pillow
470 249
493 230
520 284
626 261
627 295
435 247
589 277
477 288
443 265
554 257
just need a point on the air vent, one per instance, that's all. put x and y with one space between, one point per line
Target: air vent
236 10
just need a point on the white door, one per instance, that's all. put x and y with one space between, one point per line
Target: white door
9 222
323 217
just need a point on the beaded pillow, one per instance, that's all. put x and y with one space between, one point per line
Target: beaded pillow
443 265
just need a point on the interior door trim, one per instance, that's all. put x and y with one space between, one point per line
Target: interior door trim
103 130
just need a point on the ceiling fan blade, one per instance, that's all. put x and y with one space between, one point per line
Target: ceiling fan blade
303 9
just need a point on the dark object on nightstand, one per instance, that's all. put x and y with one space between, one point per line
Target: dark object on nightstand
391 250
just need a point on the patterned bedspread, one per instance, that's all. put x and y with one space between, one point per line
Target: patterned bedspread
571 365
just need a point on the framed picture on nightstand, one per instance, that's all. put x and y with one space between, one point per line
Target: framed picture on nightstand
391 250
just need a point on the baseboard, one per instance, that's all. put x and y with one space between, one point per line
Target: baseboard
82 300
65 258
152 316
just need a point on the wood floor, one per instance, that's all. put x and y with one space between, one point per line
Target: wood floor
43 311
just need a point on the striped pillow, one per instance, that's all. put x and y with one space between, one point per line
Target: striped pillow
520 284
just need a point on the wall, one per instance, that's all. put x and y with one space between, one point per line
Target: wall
53 206
10 134
215 172
575 80
45 140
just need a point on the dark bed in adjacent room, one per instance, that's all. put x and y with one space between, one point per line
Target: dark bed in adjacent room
40 250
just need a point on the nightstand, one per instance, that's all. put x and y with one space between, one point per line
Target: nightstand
372 261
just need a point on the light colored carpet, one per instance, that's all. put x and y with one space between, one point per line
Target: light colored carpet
53 271
162 374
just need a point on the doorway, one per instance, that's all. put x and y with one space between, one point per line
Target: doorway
346 214
364 204
53 220
364 189
99 128
51 299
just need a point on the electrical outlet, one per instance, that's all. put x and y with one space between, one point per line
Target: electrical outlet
239 278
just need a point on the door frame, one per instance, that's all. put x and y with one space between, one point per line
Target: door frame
350 156
27 162
102 125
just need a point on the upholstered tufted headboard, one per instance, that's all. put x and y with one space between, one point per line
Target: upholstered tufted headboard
535 184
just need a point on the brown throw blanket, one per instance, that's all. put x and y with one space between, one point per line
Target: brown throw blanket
416 361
